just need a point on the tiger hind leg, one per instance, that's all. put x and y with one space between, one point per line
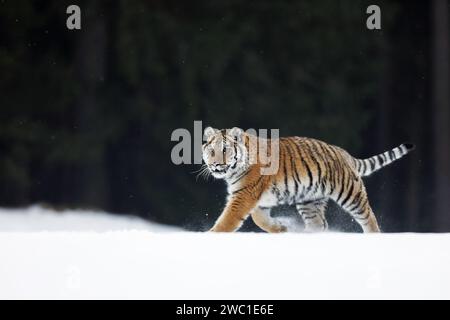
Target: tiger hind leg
356 203
313 215
261 217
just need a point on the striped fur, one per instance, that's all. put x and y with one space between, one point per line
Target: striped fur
310 173
366 167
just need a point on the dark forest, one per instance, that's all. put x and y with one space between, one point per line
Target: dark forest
86 115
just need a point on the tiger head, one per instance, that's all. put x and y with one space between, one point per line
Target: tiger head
225 153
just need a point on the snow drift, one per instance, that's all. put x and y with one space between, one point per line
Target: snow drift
141 262
37 218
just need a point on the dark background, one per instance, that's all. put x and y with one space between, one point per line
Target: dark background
86 115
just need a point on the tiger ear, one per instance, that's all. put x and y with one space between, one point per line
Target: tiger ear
209 131
236 133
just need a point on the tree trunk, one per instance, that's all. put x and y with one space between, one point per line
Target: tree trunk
90 63
441 114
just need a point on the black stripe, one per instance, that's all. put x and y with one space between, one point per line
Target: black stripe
306 166
317 184
380 161
211 141
362 209
384 158
372 164
286 190
392 155
341 167
335 169
324 222
356 201
276 191
292 149
363 163
307 212
224 139
304 203
358 168
343 184
313 159
354 162
293 167
241 176
235 157
248 186
332 167
359 215
335 172
341 173
319 154
364 202
348 195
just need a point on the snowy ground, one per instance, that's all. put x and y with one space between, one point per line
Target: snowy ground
141 260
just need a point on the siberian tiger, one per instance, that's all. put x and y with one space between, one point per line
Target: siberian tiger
310 173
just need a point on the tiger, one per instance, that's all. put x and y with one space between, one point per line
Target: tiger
310 174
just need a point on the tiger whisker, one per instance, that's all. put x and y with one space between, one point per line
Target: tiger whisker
203 172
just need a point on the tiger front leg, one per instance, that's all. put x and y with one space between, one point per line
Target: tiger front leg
236 211
261 217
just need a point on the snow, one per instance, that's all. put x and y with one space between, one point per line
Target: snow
37 218
140 260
